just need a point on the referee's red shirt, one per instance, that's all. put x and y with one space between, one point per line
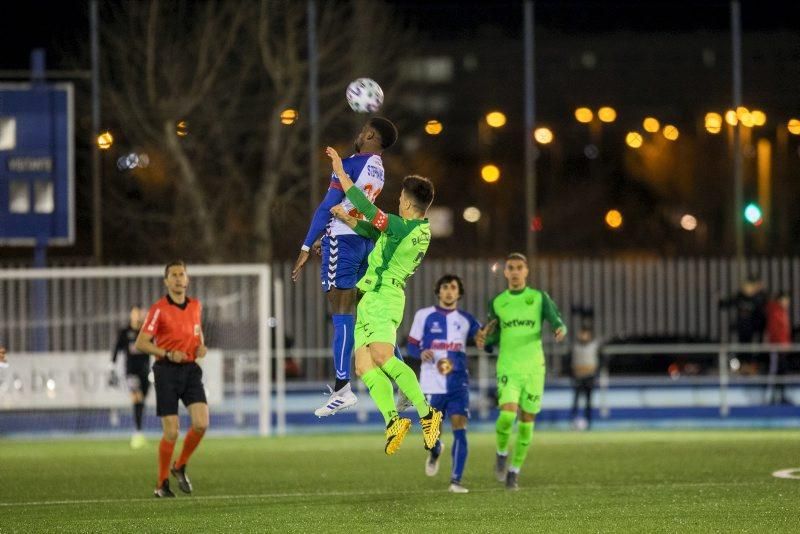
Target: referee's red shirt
175 327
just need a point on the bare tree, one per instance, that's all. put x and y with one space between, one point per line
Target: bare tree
228 69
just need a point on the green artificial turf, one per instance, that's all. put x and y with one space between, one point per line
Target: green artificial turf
668 481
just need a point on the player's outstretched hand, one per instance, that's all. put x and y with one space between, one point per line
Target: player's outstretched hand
336 161
340 213
201 352
483 333
316 248
427 355
302 258
560 334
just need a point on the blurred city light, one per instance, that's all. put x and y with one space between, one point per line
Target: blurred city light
496 119
759 117
746 119
182 129
105 140
651 124
433 127
614 219
752 213
607 114
794 126
289 116
583 115
490 173
730 117
741 111
688 222
671 132
713 122
634 139
472 214
543 135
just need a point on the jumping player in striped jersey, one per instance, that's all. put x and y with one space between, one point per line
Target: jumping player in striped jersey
439 338
344 252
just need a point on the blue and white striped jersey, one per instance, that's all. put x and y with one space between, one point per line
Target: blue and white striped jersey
445 332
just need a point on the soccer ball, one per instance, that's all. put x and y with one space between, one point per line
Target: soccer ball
364 95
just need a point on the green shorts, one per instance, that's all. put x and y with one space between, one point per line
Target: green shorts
525 390
378 316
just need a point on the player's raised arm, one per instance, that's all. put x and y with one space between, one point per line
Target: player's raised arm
362 228
318 223
354 194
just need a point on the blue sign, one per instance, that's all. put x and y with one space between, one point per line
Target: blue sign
37 164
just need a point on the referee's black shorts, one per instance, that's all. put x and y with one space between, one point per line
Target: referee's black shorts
176 381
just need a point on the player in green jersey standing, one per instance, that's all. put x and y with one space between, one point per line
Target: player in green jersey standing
401 243
515 322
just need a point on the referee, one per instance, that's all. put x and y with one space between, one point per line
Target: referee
137 371
172 333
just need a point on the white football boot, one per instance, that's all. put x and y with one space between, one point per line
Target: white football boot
337 401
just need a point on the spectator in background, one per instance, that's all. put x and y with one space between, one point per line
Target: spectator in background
779 331
3 356
749 304
585 363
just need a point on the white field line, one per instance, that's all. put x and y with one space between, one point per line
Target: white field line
442 491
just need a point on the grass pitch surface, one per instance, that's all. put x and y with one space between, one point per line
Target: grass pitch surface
670 481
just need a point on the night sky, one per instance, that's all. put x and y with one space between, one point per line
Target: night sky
60 26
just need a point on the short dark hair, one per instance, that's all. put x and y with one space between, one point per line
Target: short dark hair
174 263
446 279
386 129
421 191
517 256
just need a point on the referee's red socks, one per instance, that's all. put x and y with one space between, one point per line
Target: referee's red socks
165 449
190 443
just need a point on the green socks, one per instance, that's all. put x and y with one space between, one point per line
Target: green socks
524 438
407 381
381 391
505 422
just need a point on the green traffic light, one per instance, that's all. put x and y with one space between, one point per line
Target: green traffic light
752 213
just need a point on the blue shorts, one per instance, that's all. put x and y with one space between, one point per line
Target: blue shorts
344 260
453 403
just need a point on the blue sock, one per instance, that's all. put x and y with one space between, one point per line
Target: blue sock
397 353
343 329
459 454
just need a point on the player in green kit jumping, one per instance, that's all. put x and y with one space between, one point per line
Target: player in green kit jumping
515 322
401 243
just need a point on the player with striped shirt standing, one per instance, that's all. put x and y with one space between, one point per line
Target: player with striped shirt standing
439 338
344 252
172 333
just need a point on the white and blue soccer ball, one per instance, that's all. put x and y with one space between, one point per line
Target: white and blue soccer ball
364 95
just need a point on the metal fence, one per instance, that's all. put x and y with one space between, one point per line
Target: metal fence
629 296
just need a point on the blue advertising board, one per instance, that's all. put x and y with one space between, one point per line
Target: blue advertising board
37 164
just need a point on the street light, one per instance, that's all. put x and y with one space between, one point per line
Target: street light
613 219
433 127
793 126
490 173
182 129
671 132
543 135
634 139
496 119
583 115
607 114
752 213
651 124
713 122
731 118
759 117
289 116
689 222
472 214
105 140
